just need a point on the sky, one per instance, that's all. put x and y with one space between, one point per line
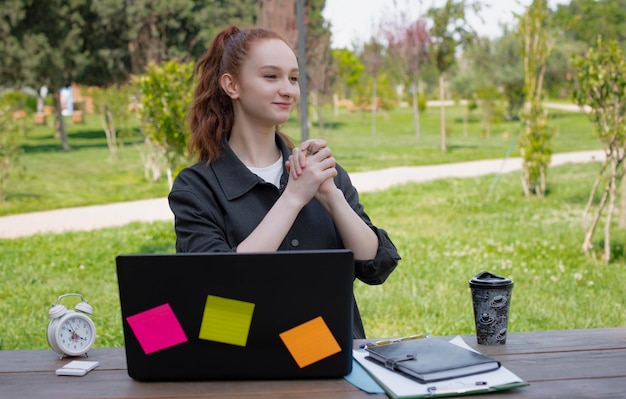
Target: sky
356 20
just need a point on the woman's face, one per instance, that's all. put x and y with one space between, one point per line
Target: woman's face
267 88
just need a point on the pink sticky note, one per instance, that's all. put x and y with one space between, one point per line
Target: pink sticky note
157 329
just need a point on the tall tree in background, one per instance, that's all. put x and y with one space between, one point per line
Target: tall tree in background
42 44
449 30
410 43
161 30
373 59
535 137
279 16
601 86
58 42
319 60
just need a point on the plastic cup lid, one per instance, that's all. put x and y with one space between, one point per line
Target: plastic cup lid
487 279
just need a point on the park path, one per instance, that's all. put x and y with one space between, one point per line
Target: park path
157 209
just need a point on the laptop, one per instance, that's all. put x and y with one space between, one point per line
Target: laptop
225 316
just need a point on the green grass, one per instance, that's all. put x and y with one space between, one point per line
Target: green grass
50 178
444 230
447 234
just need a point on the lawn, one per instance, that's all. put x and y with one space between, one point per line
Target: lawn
49 178
445 231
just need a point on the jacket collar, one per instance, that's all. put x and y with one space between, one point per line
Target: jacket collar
235 178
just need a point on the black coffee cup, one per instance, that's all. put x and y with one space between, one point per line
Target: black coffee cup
491 299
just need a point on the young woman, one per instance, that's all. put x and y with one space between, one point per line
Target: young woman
252 189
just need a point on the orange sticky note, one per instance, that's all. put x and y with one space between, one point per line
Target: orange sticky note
310 342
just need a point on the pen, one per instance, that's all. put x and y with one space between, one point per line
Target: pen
393 341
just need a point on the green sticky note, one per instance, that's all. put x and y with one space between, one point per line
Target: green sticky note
226 320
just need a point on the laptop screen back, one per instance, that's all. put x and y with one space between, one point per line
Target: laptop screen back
216 316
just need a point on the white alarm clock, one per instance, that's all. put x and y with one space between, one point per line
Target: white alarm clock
71 332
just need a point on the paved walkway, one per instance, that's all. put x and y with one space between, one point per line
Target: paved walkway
119 214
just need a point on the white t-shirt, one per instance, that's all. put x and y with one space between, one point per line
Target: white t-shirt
272 173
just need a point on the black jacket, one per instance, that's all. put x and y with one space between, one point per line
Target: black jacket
218 206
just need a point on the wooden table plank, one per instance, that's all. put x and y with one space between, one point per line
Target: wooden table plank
555 366
555 341
117 384
558 364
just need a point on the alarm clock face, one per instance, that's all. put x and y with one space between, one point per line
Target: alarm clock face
75 335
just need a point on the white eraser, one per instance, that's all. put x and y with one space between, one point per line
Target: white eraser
77 368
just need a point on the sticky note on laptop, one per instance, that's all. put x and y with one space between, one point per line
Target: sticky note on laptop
157 329
310 342
226 320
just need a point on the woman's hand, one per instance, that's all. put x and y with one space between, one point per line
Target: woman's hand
297 160
315 164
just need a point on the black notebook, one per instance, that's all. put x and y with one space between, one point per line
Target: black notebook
431 359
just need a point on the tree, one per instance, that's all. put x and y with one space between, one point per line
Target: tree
535 144
584 20
410 44
12 130
509 72
166 93
601 86
373 60
42 44
112 104
350 69
479 79
449 30
319 62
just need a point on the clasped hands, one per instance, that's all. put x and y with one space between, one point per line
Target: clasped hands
311 168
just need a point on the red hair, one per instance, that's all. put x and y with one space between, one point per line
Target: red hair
211 114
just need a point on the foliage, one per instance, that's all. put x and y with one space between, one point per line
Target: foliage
602 87
449 30
373 59
166 94
509 72
444 233
585 20
113 105
350 68
12 131
43 45
408 46
534 139
159 31
23 100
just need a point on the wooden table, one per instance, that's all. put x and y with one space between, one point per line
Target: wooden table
557 364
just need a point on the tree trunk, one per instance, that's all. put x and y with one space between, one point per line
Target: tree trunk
622 205
587 245
59 124
595 188
416 112
443 114
609 213
374 106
